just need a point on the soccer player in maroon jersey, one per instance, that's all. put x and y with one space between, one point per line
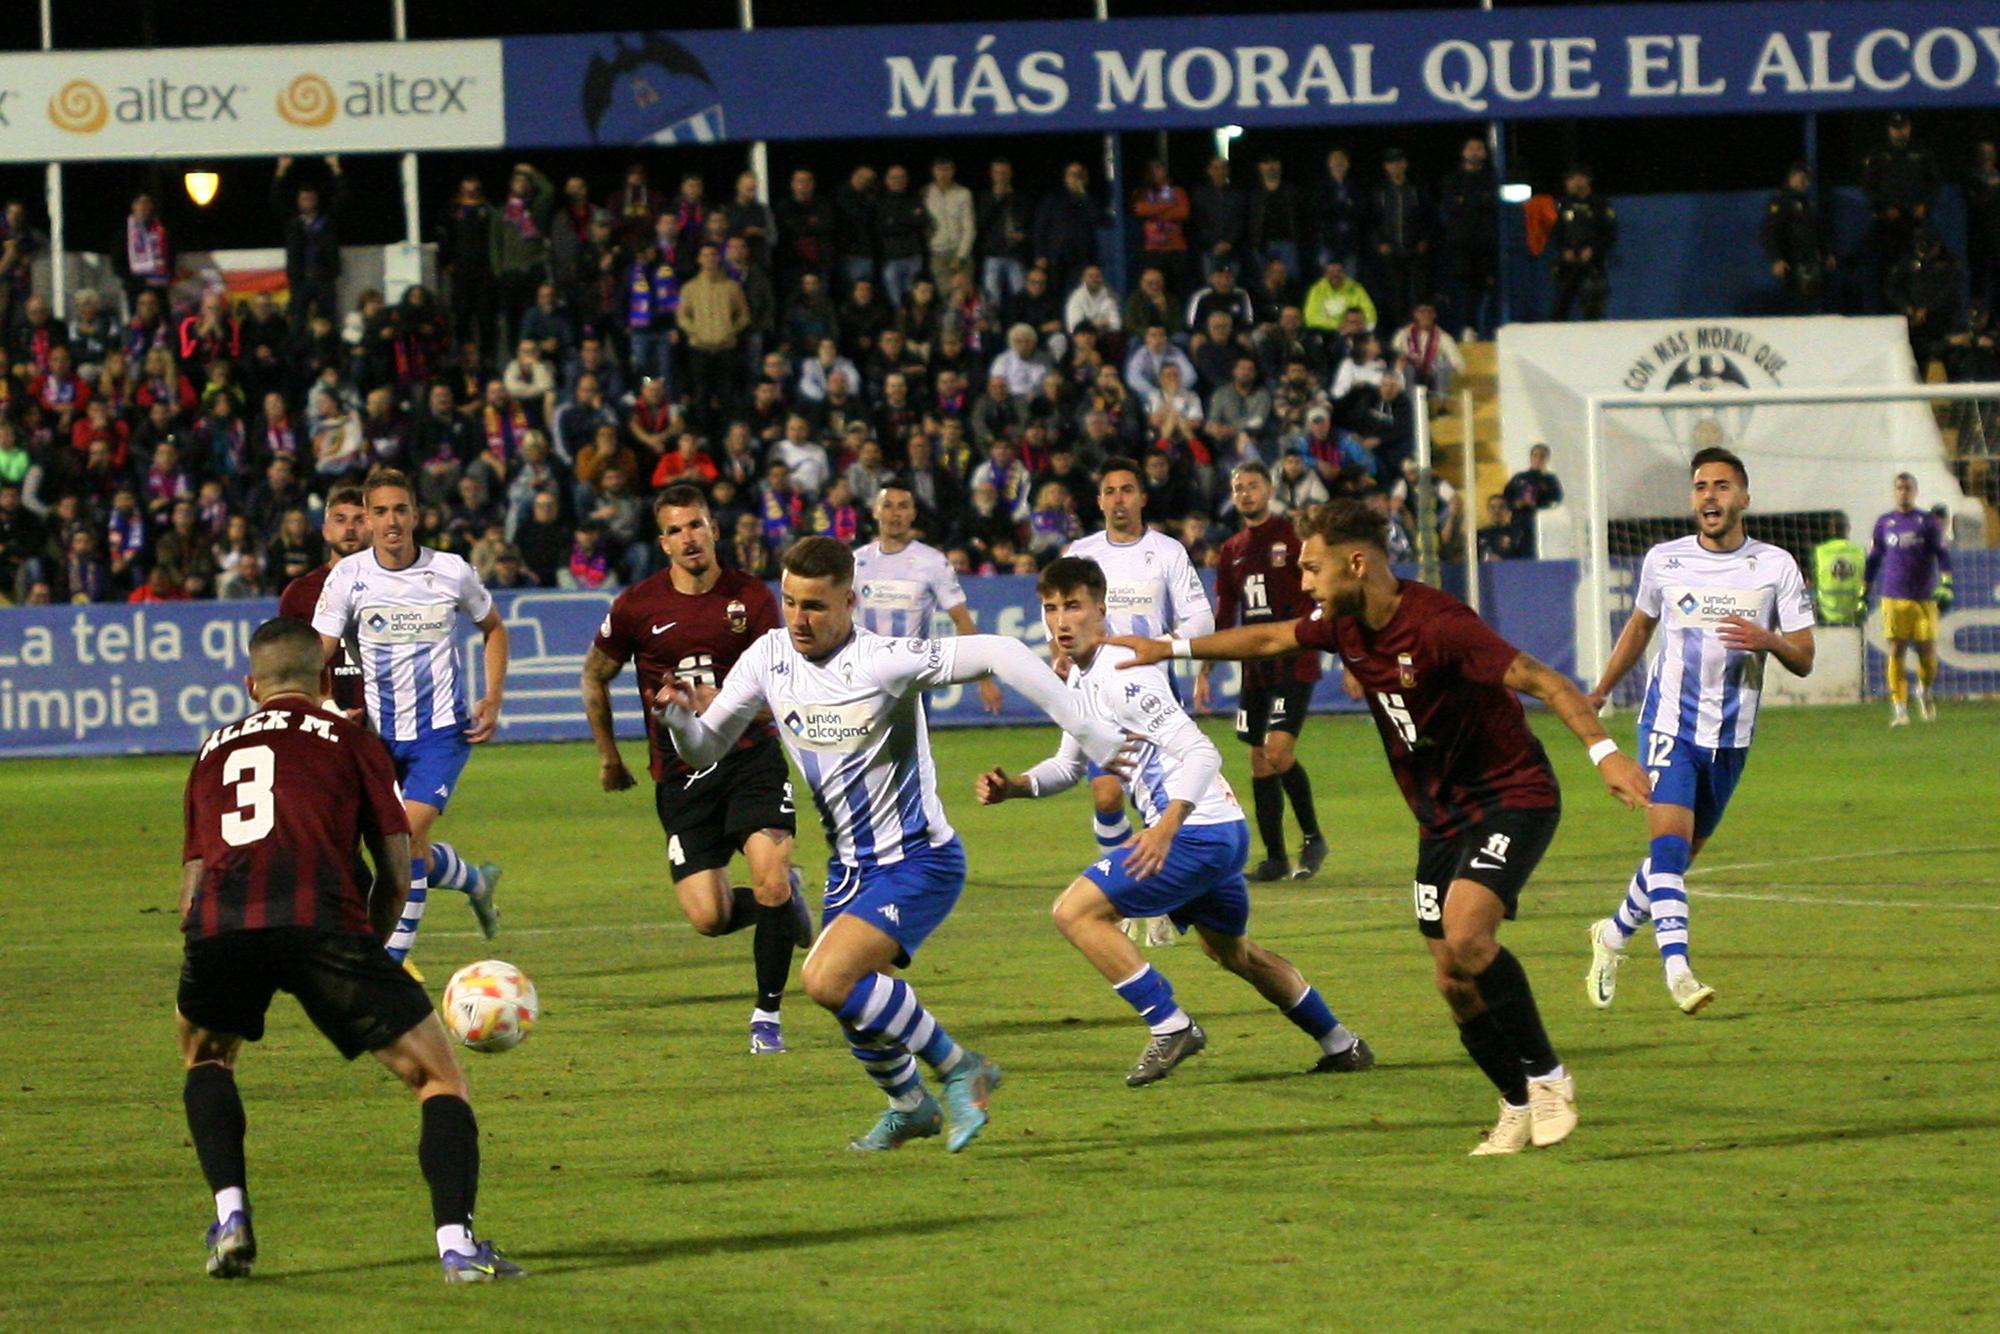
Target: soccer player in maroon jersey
345 531
1258 582
274 897
1440 684
691 621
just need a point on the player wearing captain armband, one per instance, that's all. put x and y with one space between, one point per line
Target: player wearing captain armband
1727 601
1186 865
846 703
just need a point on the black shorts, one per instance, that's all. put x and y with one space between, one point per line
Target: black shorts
1262 709
708 815
1500 852
348 985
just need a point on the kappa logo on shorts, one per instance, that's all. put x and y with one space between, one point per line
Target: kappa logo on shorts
1103 867
890 911
443 791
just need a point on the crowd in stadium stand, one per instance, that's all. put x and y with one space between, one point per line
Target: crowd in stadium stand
590 346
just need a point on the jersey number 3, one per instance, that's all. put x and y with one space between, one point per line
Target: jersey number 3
250 771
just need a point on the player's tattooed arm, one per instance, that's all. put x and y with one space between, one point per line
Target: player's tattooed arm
390 856
190 882
1625 655
1246 643
1621 773
600 669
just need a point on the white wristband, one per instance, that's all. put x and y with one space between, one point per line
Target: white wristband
1182 648
1601 749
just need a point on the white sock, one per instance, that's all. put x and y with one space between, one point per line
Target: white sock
1677 966
1336 1040
765 1017
1556 1073
1172 1023
455 1237
230 1200
908 1102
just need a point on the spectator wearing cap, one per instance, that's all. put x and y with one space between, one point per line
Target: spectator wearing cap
1093 303
1399 240
1586 228
1901 180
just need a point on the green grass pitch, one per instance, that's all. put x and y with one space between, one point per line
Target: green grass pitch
1815 1152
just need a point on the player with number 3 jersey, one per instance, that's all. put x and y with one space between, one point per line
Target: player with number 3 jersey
1727 601
691 622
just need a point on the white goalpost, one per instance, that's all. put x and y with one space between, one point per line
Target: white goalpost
1814 475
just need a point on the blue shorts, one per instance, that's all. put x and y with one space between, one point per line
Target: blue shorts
1201 883
1697 777
428 768
906 900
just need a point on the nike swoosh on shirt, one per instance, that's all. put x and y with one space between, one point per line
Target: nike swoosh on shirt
662 629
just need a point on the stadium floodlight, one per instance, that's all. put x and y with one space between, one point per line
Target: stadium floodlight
1516 192
201 186
1225 135
1811 466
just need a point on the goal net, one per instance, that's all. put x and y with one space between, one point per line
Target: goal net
1822 465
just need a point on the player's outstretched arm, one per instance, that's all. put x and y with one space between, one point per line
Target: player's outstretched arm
1621 773
702 739
1625 655
1246 643
486 713
600 669
1026 674
390 855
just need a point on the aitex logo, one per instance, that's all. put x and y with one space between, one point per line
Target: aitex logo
310 101
81 107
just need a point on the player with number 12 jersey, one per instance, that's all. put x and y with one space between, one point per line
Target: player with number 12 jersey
692 621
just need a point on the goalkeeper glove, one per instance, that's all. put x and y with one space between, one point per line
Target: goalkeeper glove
1944 595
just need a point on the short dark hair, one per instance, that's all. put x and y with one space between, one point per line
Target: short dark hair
286 649
819 558
1119 463
1255 467
681 496
898 482
382 478
346 494
1066 574
1717 454
1909 477
1348 521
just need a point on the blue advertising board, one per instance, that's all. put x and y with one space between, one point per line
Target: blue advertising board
116 679
1391 67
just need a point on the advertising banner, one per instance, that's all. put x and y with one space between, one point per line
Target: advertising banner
229 101
1801 456
1306 69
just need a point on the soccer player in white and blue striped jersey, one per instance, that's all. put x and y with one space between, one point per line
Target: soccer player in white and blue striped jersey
1187 864
1151 588
403 602
847 707
900 584
1727 601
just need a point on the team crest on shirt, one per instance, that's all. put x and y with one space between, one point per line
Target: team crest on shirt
1277 555
1406 670
739 616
